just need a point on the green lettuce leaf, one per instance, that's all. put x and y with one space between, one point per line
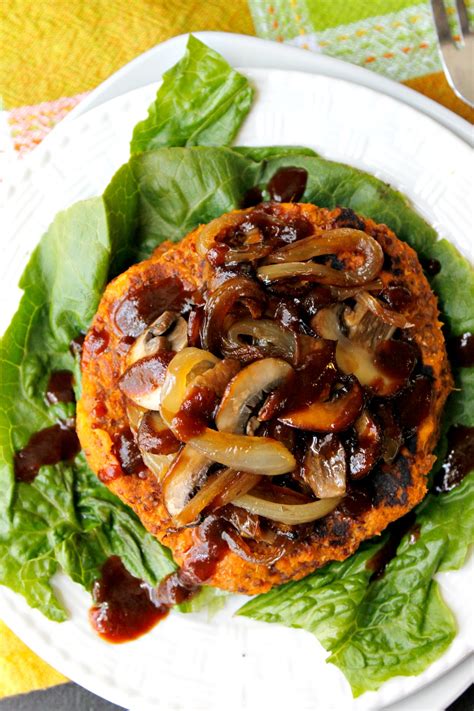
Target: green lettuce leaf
202 101
398 624
454 286
180 188
332 184
65 517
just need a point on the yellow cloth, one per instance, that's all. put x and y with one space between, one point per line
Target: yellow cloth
56 48
20 669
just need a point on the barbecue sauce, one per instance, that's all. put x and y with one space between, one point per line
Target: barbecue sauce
140 308
59 388
396 531
288 184
459 460
126 607
123 608
47 447
461 350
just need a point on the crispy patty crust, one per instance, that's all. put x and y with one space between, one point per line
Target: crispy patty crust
394 488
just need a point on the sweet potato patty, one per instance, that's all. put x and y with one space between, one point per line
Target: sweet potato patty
177 278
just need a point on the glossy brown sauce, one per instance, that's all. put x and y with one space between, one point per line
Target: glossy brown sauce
431 267
141 307
126 450
48 446
398 297
195 412
97 341
414 403
459 460
461 350
252 197
315 377
59 387
76 345
396 531
155 441
288 184
209 548
396 358
146 374
358 500
123 608
126 607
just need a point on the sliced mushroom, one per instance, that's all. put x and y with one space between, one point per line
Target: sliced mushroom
384 314
332 415
154 436
367 351
246 390
368 448
168 332
324 468
185 474
142 381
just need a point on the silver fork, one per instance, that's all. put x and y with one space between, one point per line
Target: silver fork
457 54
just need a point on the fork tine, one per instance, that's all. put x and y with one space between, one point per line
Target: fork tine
457 61
454 22
464 16
469 7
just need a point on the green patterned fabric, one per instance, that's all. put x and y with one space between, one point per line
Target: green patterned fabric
396 38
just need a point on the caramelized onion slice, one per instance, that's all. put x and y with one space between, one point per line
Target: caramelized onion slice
324 467
237 485
269 338
260 455
238 291
331 415
208 234
291 514
337 241
263 555
245 391
159 464
182 370
186 472
134 414
212 487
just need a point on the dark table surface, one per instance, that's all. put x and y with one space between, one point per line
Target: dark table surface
70 697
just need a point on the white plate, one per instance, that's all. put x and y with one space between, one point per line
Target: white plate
187 662
245 51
